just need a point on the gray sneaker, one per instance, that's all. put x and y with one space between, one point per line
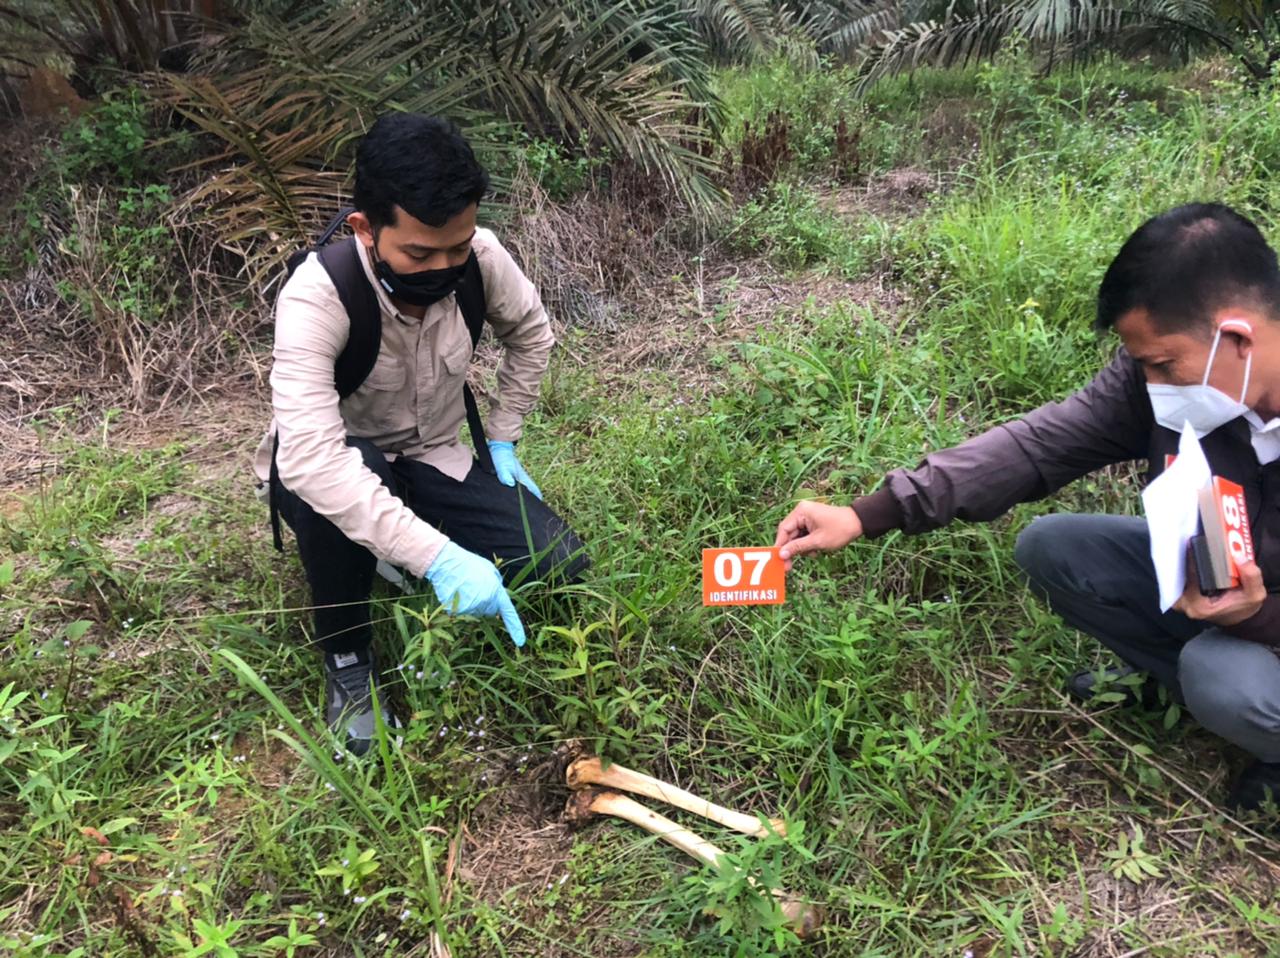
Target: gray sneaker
349 679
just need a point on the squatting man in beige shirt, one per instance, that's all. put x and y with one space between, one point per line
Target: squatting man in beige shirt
381 473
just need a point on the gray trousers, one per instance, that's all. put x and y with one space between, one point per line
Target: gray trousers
1095 571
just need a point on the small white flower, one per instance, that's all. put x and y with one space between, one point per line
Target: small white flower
44 695
346 863
404 915
444 731
320 915
419 676
329 786
359 899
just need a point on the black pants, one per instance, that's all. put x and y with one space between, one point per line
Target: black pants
480 514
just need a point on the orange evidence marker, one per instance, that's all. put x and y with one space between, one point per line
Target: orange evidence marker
743 577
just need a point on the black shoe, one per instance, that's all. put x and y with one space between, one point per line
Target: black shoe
349 681
1257 784
1088 685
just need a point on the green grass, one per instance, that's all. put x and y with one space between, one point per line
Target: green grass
900 710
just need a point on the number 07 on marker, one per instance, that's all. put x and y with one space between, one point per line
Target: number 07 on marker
743 577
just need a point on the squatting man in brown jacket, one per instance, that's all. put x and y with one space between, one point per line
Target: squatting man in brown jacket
1194 295
381 474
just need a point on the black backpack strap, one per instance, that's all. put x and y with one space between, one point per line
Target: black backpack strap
297 256
342 262
273 496
333 225
470 296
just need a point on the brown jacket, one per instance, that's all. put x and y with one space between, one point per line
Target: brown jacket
410 404
1108 421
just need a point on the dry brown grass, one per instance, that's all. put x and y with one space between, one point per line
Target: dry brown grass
94 350
896 195
632 288
603 252
70 348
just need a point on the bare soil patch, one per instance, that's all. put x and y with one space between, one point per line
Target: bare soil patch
896 195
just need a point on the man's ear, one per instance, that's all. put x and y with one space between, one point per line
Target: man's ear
1241 332
363 229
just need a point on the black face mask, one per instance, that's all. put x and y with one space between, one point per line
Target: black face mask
421 288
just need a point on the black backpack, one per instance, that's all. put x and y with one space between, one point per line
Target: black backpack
341 260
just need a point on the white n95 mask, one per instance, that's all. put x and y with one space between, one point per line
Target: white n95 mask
1203 406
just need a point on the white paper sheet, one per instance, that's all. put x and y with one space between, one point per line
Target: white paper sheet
1173 515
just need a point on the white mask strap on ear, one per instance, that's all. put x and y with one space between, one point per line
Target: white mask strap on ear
1241 326
1213 351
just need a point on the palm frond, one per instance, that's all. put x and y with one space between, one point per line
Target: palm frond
845 36
284 102
1079 27
737 29
931 43
587 78
286 99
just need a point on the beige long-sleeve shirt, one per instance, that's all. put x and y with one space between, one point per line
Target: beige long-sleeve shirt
410 405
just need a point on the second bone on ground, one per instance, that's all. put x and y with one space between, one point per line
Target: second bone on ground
589 770
802 917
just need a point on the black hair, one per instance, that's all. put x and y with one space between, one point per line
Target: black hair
1185 264
422 164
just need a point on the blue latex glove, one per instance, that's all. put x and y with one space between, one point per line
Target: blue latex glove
508 466
466 584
